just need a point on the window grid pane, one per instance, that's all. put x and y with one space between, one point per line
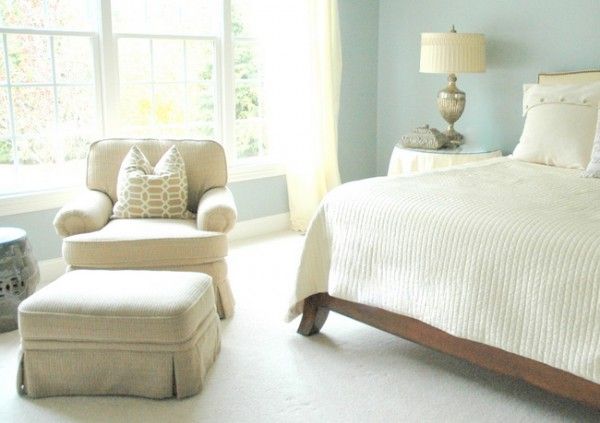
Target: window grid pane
33 110
177 91
249 129
76 109
67 59
29 58
2 62
22 13
5 129
250 138
168 60
177 17
6 152
48 14
244 22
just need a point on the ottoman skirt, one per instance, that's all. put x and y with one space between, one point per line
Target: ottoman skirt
151 334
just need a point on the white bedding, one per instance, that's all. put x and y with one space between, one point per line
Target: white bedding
502 252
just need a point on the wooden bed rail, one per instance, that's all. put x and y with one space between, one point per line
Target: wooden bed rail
551 379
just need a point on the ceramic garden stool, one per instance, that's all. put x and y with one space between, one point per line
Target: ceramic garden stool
144 333
19 274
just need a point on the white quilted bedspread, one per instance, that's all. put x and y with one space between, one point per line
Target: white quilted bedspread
501 252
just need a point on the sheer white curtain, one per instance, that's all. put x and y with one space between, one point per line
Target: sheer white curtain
302 68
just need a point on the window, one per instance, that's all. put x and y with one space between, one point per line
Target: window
49 98
167 67
72 71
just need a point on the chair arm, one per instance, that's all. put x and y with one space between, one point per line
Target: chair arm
87 212
216 210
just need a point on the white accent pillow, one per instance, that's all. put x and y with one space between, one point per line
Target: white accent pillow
143 192
559 125
593 168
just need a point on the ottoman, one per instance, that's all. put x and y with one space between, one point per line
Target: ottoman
152 334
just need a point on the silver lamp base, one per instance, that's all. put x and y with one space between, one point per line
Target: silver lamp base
451 104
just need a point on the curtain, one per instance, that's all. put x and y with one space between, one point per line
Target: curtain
302 70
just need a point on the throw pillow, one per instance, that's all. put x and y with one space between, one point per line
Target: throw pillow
559 125
143 192
593 168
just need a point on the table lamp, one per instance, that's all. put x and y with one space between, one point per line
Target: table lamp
452 53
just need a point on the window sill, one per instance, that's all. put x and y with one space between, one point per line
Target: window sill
46 200
254 170
35 201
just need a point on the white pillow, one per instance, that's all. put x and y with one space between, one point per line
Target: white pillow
593 168
559 125
145 192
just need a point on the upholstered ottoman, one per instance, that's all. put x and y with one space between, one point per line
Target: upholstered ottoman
145 333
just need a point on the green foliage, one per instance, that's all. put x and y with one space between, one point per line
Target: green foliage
5 152
246 105
237 24
23 13
15 58
249 139
247 147
245 61
207 72
35 150
76 148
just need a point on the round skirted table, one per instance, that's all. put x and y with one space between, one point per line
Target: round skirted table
406 161
19 274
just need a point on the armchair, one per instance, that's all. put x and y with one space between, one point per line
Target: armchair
92 240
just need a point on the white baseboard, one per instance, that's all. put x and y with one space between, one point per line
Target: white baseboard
52 268
261 226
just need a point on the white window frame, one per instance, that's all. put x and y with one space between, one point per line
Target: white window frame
107 85
53 84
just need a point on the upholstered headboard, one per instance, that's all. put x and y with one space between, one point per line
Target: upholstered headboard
577 77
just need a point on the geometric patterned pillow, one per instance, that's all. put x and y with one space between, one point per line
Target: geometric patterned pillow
144 192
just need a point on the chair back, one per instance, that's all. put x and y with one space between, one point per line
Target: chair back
205 163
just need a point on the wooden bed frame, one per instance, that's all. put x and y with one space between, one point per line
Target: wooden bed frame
317 307
560 382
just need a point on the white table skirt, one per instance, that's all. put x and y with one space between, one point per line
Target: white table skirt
405 161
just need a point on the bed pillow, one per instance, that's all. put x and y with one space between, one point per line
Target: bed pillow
593 168
559 125
144 192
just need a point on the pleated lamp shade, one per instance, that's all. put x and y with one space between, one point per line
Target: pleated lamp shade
451 52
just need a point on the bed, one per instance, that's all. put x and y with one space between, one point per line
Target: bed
495 262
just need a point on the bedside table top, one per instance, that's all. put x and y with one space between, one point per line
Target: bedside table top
462 149
405 161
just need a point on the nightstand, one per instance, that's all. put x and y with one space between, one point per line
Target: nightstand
406 161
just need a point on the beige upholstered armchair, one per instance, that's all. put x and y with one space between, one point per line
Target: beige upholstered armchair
93 240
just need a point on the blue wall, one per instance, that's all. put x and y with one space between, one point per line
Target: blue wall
357 128
44 241
268 196
260 197
523 39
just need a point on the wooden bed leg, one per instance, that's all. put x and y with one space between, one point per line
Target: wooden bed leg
313 315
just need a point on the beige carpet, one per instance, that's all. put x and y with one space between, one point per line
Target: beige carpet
268 373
